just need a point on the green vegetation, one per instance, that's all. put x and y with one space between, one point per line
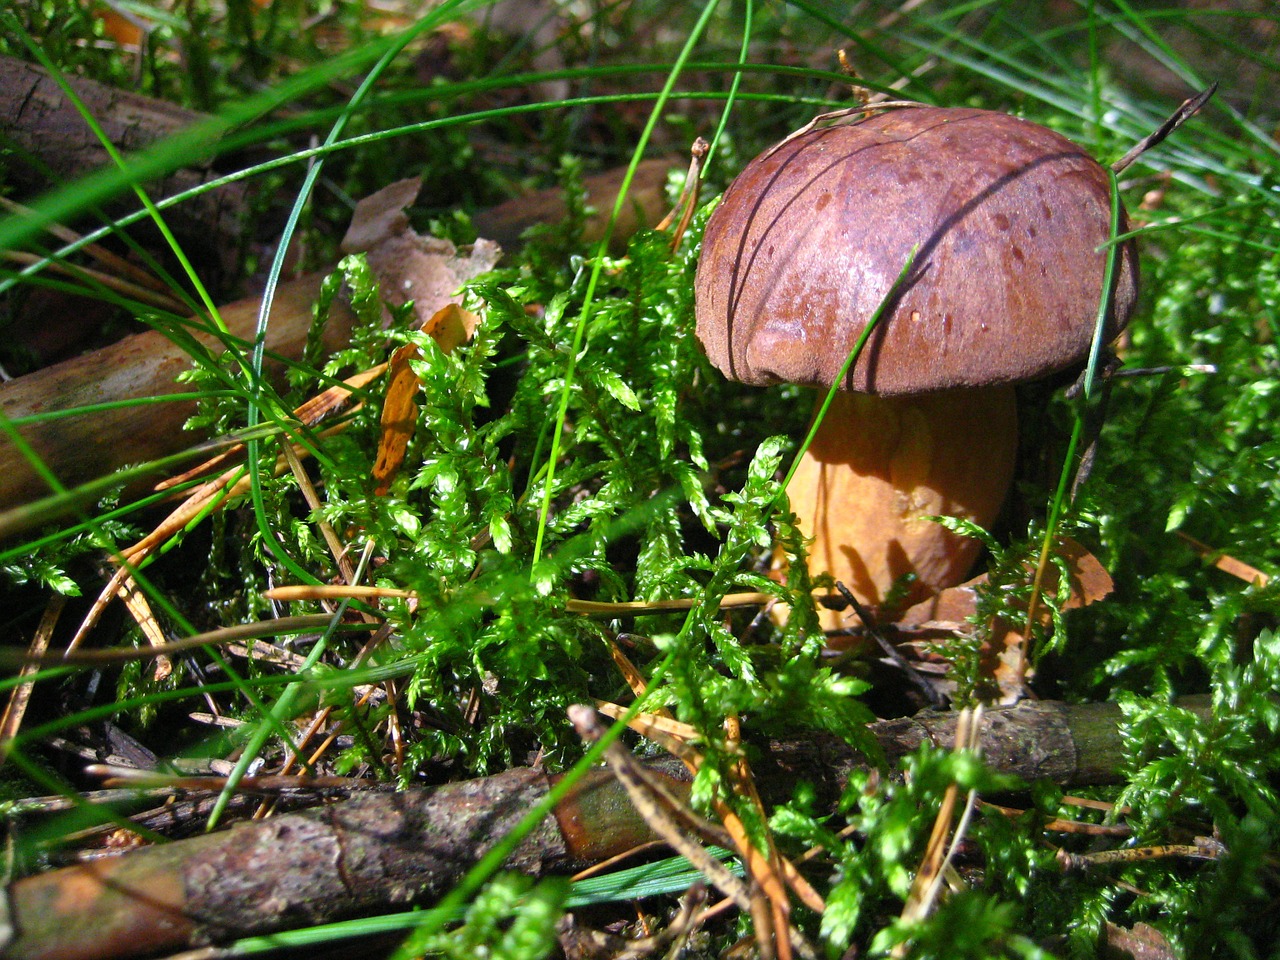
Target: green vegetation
581 448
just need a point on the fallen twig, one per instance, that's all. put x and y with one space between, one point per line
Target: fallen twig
378 851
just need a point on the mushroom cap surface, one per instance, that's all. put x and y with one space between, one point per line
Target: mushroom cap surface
1007 216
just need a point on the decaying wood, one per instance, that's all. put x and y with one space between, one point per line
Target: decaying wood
645 206
37 117
52 145
378 851
84 447
1066 744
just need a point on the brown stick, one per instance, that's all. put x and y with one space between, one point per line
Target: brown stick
378 851
38 118
375 850
646 203
53 145
82 448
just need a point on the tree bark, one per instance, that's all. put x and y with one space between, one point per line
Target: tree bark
378 851
647 203
88 446
53 145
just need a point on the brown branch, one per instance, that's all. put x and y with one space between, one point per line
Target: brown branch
52 145
81 448
39 120
645 206
379 851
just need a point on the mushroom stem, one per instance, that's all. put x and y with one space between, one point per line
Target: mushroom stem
879 465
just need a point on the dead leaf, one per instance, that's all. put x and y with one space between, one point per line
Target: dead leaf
1141 942
381 215
427 270
451 326
950 610
123 28
1089 582
947 610
399 417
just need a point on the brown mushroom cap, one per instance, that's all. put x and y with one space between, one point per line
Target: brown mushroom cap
1007 215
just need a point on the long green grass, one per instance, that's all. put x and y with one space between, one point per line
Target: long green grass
581 446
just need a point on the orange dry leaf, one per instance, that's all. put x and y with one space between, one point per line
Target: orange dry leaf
451 326
124 29
1089 582
399 417
952 607
1227 563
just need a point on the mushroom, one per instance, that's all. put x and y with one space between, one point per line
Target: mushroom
1007 219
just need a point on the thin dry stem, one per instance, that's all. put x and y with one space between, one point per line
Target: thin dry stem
20 696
